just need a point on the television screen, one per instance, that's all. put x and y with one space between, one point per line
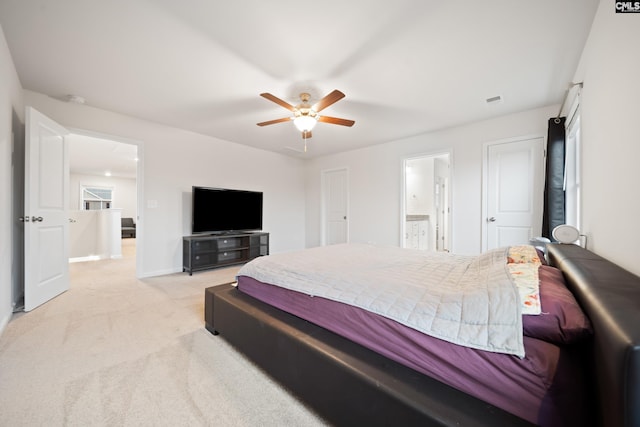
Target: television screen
217 210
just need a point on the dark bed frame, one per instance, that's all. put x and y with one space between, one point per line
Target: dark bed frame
347 384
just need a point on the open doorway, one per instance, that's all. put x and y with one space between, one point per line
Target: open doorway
426 209
104 189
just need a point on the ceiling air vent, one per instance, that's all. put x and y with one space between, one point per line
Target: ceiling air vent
494 100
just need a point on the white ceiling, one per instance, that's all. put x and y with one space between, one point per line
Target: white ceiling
406 66
96 156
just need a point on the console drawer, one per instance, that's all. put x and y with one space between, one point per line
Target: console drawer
226 256
230 243
203 260
203 245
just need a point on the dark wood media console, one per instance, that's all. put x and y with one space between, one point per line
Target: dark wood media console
203 252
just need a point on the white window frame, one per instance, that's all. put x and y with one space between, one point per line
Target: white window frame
573 174
104 203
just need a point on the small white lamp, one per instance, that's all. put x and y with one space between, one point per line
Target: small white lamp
568 234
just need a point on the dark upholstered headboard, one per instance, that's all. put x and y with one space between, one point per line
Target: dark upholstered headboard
610 296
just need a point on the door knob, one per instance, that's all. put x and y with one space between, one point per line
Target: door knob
492 219
36 219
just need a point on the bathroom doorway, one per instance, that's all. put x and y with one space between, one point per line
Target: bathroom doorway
426 206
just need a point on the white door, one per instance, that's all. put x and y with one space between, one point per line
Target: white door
335 194
46 263
514 192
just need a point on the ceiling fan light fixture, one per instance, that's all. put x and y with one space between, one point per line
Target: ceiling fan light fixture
305 123
305 116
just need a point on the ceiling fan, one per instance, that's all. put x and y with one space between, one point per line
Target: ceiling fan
305 116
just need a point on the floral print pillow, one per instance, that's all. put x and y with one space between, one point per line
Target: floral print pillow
523 254
523 263
525 277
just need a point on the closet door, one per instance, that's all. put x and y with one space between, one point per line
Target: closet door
513 193
335 206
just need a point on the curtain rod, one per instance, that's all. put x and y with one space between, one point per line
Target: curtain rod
564 100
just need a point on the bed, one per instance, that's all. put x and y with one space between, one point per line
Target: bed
351 384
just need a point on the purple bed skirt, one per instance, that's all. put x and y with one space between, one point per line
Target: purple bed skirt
544 387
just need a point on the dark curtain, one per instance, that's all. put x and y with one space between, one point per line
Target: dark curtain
554 214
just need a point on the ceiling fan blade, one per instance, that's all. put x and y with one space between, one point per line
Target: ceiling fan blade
306 134
273 122
278 101
336 121
333 97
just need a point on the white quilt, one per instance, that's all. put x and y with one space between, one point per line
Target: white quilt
467 300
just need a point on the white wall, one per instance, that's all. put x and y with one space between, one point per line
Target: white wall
610 70
95 234
375 176
11 113
174 160
124 191
419 187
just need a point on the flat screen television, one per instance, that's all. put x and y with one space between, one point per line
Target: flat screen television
222 210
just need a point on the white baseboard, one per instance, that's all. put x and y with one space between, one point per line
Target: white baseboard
5 321
85 258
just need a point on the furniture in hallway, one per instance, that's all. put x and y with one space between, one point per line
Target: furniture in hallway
128 227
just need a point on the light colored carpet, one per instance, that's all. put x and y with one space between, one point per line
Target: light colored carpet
118 351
